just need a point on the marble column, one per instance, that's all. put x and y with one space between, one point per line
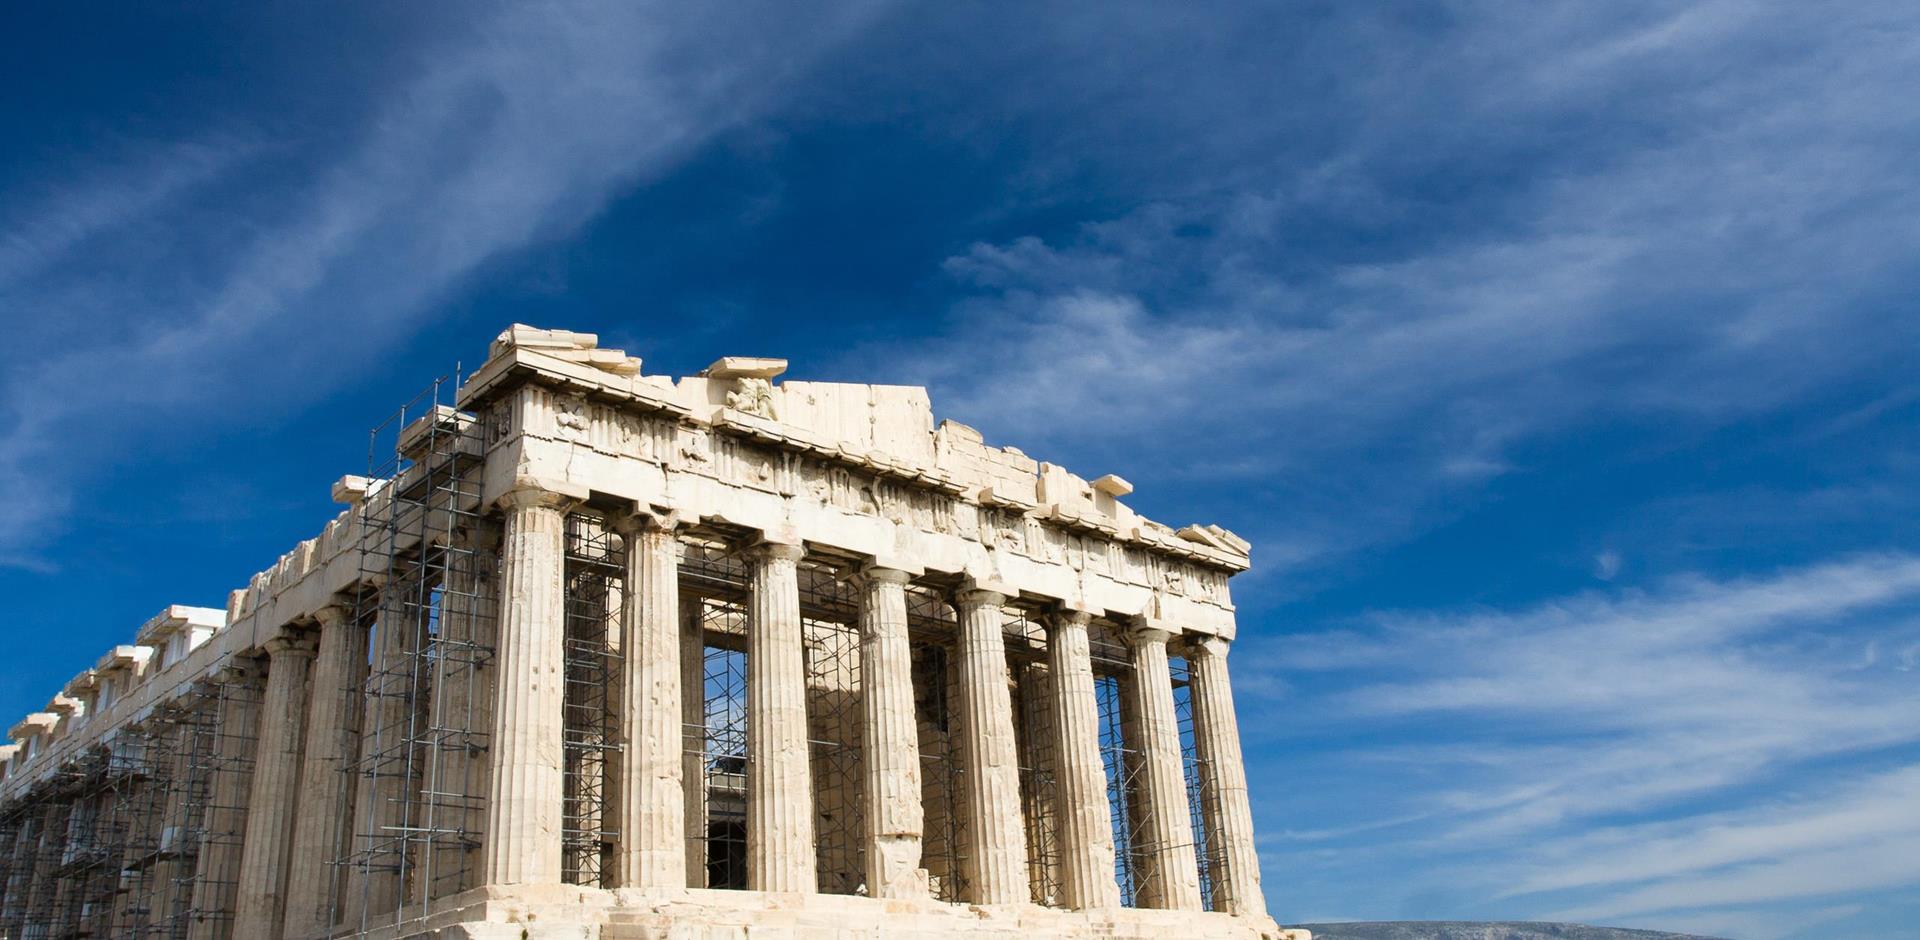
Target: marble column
1166 838
260 908
652 808
172 883
780 850
217 872
479 573
11 865
996 868
20 869
382 775
526 784
326 785
457 718
1086 821
891 744
44 893
1228 815
693 725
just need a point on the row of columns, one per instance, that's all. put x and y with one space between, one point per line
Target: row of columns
655 806
654 811
312 713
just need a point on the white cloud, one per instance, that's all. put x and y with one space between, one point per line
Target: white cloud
1720 223
521 131
1706 747
1841 815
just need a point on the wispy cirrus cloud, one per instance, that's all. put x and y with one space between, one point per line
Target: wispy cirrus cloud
1698 749
1866 827
1710 217
519 131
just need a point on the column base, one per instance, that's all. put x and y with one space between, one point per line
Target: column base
559 912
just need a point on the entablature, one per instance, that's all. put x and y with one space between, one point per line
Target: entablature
885 432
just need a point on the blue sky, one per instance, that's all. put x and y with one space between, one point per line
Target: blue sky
1558 359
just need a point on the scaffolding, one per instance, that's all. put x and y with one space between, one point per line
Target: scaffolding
715 582
429 565
89 864
140 835
1113 672
140 798
595 586
1194 771
221 732
45 898
713 588
1037 746
21 821
944 843
12 820
830 632
198 760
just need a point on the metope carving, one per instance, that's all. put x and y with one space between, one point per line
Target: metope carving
754 396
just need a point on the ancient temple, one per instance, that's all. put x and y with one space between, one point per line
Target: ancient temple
597 653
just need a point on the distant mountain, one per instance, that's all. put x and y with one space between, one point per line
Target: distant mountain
1482 930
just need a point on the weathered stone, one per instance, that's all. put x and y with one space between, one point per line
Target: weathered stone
652 811
780 854
434 796
1172 876
276 775
523 805
892 747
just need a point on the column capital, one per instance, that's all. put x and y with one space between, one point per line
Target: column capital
529 497
884 574
333 615
1064 616
238 669
969 595
481 534
291 643
777 551
644 517
1146 633
1206 644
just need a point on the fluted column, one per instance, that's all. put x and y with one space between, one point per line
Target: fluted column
139 828
996 869
526 785
333 741
652 809
20 869
44 893
172 883
373 880
217 871
454 769
693 717
478 573
260 909
1228 814
891 745
1167 833
1080 783
780 850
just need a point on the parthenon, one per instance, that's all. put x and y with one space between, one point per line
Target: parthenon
595 653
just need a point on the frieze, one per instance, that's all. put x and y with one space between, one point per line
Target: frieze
748 464
753 450
693 449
